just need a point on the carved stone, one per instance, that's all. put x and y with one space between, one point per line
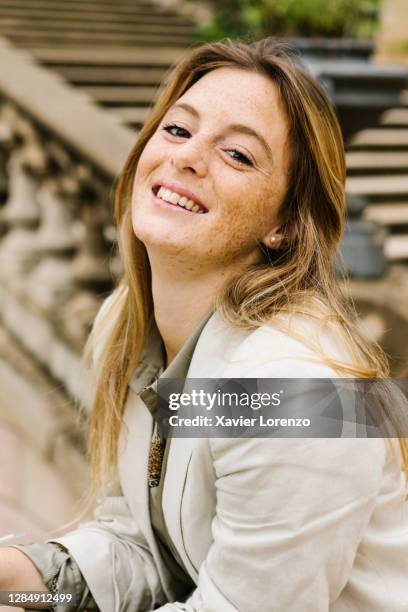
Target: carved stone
18 256
56 234
77 316
19 217
90 266
21 209
50 284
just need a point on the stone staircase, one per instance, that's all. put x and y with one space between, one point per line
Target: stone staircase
123 81
377 164
39 23
117 51
360 89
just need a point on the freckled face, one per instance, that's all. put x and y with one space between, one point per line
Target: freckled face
207 143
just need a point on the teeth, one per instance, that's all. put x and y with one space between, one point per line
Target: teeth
176 198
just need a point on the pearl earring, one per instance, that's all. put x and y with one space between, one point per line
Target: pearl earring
273 238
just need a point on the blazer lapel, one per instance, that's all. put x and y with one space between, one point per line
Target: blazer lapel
134 444
176 472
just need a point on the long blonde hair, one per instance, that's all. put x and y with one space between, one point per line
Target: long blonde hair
300 273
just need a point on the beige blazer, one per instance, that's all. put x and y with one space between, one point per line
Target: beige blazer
274 525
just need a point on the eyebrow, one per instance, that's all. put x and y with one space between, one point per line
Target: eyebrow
235 127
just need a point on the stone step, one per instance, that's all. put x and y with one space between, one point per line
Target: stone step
51 5
372 161
395 117
360 90
121 95
396 248
404 98
332 49
140 3
51 26
152 5
378 186
362 110
97 75
361 77
101 56
133 115
388 214
98 15
356 99
92 12
376 138
80 39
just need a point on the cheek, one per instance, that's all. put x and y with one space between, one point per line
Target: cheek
143 167
150 158
249 204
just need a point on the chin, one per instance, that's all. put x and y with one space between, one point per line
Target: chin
152 238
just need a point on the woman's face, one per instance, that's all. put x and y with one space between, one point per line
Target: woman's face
223 146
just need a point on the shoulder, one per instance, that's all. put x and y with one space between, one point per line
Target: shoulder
289 345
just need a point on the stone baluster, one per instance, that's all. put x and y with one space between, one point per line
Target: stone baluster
56 234
51 282
21 208
57 253
20 214
90 266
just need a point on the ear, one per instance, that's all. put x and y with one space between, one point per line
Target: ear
273 239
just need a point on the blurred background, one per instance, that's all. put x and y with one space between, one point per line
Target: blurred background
77 81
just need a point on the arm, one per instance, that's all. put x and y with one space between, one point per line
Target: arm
114 559
110 558
18 573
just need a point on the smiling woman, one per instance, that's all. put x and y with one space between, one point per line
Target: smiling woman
230 210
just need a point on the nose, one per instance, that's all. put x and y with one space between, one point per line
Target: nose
190 156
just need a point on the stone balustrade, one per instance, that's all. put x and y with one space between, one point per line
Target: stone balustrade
59 157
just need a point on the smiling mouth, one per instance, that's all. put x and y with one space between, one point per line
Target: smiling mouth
172 197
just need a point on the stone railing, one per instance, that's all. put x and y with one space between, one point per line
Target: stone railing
59 157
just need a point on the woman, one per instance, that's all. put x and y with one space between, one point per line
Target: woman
230 210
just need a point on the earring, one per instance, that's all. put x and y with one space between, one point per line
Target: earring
273 238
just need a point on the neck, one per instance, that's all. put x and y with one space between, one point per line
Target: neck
181 300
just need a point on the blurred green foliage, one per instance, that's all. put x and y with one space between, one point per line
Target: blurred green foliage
254 19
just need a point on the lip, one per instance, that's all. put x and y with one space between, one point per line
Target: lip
178 188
